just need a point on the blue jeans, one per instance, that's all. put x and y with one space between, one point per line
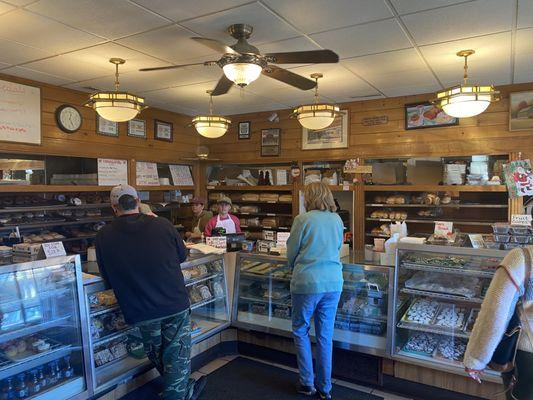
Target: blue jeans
323 306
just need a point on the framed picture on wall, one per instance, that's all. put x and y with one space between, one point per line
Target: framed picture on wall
163 131
334 136
521 111
270 142
105 127
427 115
244 130
137 128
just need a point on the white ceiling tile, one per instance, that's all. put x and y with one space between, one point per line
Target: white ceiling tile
491 64
410 6
175 108
395 73
267 27
178 11
525 13
321 15
4 65
37 31
19 3
109 19
171 43
364 39
524 56
5 8
36 75
17 53
69 68
461 21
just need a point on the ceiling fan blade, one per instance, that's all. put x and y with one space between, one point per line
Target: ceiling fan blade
223 86
288 77
304 57
175 66
215 45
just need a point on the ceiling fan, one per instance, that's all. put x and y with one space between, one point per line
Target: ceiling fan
242 63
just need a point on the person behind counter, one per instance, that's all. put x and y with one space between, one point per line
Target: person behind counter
139 256
200 218
224 219
512 281
316 284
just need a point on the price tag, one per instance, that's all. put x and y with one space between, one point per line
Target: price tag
443 229
521 219
53 249
477 240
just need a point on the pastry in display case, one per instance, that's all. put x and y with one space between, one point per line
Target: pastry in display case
262 301
41 339
442 288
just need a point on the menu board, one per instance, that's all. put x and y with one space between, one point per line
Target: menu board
146 174
20 113
112 172
181 175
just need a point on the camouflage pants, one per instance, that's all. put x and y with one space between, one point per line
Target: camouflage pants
167 342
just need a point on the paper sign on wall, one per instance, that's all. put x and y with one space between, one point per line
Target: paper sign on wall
53 249
443 229
181 175
146 174
521 219
112 172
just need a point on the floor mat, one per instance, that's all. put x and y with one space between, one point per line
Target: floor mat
245 379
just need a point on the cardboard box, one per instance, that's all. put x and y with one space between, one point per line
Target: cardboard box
388 173
424 173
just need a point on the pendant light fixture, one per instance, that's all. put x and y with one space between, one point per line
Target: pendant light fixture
115 105
466 100
211 126
317 115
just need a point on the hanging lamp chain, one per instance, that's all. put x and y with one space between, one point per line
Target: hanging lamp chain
465 75
210 104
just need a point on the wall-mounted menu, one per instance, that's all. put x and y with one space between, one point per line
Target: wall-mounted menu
181 175
146 173
112 172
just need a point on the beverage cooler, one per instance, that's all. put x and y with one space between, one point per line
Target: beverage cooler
439 291
42 331
262 302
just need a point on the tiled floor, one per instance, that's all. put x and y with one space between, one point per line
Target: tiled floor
220 362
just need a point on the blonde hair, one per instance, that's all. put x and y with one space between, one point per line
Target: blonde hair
317 196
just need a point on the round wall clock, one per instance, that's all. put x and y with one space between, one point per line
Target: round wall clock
68 118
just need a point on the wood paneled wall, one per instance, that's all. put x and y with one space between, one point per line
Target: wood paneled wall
487 133
86 142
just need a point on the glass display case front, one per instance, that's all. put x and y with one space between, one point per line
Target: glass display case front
41 335
439 291
263 301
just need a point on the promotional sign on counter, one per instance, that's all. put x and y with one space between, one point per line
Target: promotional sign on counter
112 172
521 219
146 174
53 249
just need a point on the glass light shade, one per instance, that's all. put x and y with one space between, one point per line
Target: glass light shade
466 101
242 74
116 106
211 126
316 116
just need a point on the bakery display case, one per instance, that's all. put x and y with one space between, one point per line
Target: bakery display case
262 302
42 333
438 295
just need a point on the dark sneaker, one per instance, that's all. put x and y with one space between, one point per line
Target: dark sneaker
199 386
305 390
324 396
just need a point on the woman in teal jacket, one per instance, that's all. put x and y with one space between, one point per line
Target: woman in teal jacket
316 285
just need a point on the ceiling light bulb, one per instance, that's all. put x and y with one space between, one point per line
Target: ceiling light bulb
211 126
242 74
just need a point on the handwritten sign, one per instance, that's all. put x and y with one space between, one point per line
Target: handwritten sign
146 174
521 219
53 249
218 242
477 240
20 113
443 229
181 175
112 172
378 120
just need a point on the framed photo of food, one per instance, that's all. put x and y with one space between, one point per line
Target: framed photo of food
163 131
427 115
521 111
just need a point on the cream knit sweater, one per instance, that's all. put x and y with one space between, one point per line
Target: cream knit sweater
496 311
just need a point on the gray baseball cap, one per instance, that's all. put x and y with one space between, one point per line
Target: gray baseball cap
120 190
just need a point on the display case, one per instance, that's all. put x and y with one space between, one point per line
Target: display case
262 302
116 350
438 295
42 333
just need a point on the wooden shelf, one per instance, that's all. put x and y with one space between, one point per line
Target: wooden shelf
162 188
435 188
251 188
52 188
439 206
432 221
333 188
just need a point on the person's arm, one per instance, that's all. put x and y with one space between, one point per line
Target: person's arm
294 242
209 227
237 223
204 220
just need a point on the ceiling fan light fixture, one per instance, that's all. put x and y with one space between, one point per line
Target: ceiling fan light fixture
211 126
115 105
242 74
463 101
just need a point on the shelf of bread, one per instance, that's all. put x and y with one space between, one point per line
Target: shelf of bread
435 188
268 188
431 221
453 205
53 188
164 188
